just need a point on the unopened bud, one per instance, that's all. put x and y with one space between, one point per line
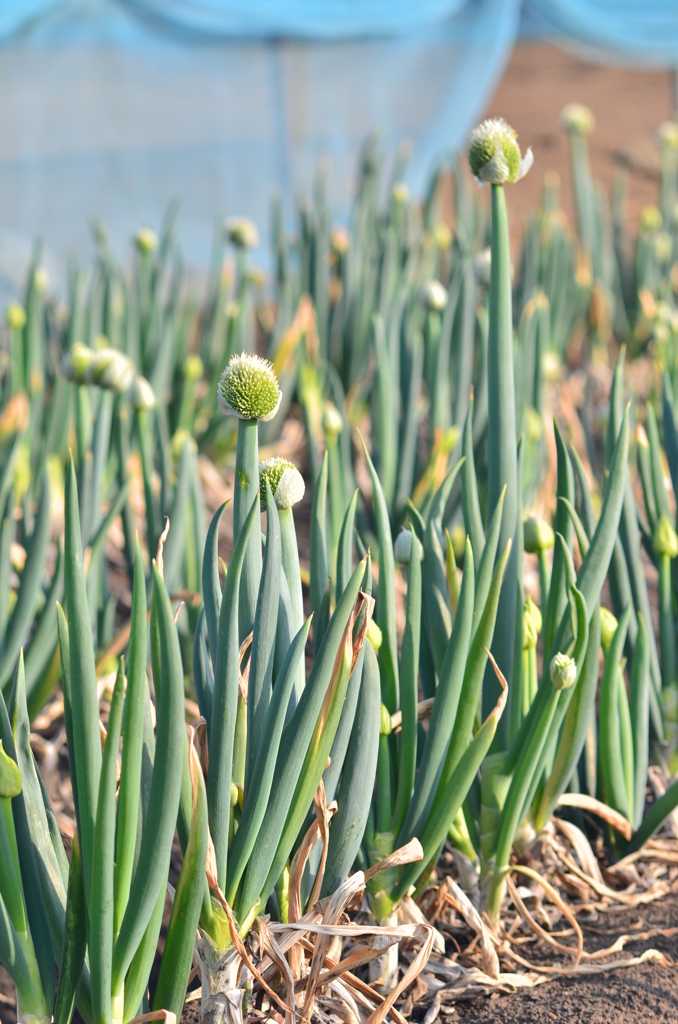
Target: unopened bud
402 548
385 726
494 153
537 535
664 539
332 421
650 219
374 635
608 627
531 624
242 233
577 119
16 316
10 776
433 296
563 671
142 394
193 367
284 479
146 240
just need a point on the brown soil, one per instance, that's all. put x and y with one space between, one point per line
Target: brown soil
643 994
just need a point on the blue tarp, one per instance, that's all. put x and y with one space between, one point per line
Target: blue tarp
110 108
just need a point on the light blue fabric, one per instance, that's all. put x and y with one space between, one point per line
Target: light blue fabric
110 108
300 19
638 32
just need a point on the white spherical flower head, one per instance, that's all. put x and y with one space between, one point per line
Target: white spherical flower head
433 295
332 421
400 194
77 362
482 265
146 240
105 367
494 154
242 233
248 388
41 279
286 482
112 369
577 119
143 396
563 671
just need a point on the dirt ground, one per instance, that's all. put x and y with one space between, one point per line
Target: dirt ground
643 994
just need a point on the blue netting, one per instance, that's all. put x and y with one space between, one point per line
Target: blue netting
112 107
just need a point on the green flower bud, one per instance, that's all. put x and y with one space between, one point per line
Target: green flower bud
531 624
10 776
663 246
248 388
385 727
286 482
112 369
21 476
242 233
77 362
563 671
533 424
668 134
193 368
577 119
332 421
494 153
664 539
458 538
106 367
181 438
402 549
142 394
41 280
608 627
443 236
146 240
374 635
650 219
400 194
669 704
16 316
482 265
433 296
537 535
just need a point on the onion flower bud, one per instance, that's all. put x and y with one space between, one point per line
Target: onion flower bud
494 154
248 388
563 671
286 482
